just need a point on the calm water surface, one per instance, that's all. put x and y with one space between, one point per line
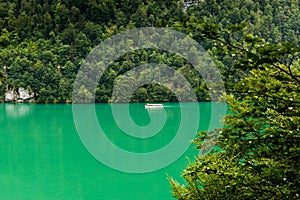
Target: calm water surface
42 157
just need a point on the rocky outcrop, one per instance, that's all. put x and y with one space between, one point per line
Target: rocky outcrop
20 95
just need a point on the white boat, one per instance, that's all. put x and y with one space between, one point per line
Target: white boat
154 105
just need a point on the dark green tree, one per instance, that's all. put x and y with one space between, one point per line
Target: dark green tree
260 140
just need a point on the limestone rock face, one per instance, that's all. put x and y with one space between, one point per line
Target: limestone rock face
10 95
18 96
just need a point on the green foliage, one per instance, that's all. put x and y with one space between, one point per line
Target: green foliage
260 140
41 39
43 43
254 43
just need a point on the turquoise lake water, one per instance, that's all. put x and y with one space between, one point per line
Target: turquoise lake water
42 156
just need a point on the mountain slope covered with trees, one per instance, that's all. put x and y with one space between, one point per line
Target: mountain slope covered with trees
43 43
255 44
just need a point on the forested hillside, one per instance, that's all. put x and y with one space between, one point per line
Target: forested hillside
43 42
260 139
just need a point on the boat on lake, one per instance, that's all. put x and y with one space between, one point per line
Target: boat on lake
153 105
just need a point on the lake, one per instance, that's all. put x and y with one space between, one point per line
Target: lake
42 156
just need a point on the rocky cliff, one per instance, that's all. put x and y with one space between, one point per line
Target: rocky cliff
19 95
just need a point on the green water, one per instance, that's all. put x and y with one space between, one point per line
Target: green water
42 156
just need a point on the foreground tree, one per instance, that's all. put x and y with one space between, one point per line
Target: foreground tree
260 140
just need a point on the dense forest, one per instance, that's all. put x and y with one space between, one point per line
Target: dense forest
260 139
255 44
43 43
